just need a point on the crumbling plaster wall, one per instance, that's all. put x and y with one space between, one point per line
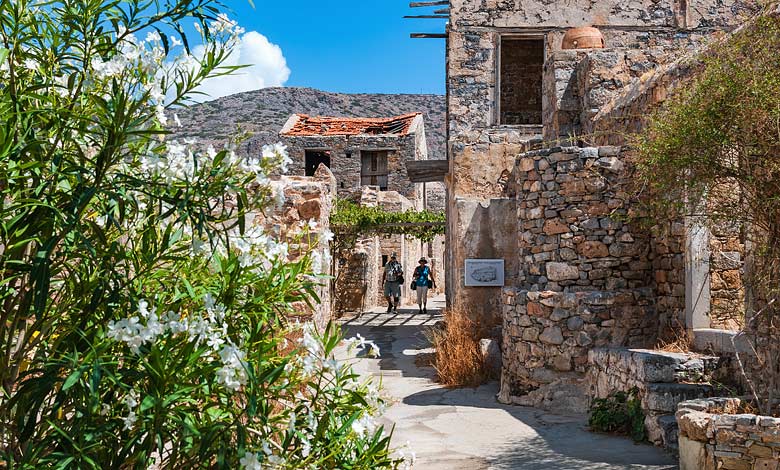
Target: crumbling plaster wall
662 27
577 87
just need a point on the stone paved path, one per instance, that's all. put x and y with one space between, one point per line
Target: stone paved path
467 429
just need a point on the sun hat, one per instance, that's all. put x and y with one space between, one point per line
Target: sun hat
392 255
423 260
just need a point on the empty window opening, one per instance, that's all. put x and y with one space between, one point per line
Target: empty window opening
373 169
313 160
384 260
521 81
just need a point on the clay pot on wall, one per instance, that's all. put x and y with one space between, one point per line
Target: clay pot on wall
583 38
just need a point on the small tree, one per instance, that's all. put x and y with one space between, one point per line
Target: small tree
714 152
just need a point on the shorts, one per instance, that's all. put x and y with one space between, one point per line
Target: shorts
422 295
392 289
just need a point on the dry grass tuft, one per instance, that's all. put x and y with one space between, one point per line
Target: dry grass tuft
682 342
459 360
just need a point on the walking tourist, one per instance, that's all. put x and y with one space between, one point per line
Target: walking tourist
423 279
392 280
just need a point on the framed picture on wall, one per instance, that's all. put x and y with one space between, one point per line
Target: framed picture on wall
484 273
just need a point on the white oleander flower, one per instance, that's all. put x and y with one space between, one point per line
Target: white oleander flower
316 262
250 462
232 374
129 420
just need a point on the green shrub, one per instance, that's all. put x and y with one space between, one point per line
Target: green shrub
146 310
619 413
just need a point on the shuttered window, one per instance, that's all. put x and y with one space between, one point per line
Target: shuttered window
373 168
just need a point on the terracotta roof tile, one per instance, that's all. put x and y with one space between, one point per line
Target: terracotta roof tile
326 125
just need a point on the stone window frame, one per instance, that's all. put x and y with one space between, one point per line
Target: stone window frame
513 35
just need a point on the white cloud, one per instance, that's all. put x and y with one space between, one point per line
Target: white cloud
268 68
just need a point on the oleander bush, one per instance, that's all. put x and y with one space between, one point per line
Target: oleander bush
146 313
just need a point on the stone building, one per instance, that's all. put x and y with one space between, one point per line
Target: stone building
540 179
359 151
368 158
511 87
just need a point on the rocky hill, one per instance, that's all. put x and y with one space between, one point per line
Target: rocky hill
262 113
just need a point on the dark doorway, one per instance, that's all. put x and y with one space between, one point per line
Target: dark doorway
522 61
314 158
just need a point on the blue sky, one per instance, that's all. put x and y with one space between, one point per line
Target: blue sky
348 46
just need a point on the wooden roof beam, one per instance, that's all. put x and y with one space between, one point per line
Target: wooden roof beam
426 171
429 4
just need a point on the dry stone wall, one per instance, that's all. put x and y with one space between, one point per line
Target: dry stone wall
307 199
662 379
573 212
714 435
547 335
727 293
667 245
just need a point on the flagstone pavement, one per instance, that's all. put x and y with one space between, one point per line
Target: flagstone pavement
466 428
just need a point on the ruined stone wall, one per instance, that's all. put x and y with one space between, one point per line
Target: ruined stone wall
662 380
307 199
585 276
727 293
547 335
435 196
627 113
714 434
346 161
667 248
573 204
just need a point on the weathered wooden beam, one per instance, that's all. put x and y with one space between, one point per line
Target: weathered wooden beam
429 4
427 171
418 17
443 11
428 36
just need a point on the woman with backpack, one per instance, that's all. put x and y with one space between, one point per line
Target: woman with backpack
422 279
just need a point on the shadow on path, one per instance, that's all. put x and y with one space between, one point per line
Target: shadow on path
466 428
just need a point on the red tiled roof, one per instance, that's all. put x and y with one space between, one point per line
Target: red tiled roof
326 125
